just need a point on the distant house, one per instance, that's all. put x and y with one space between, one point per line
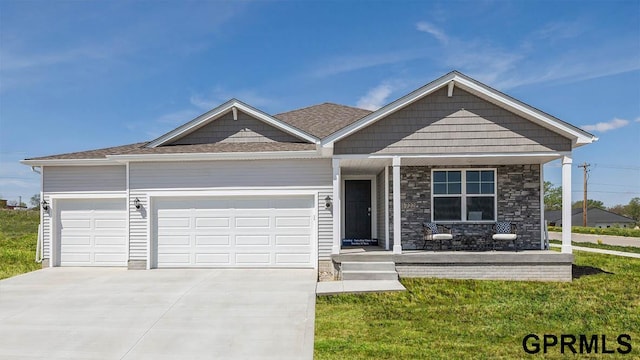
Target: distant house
595 218
3 204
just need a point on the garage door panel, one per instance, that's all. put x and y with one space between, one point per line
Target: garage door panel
110 258
254 258
116 224
76 258
213 240
252 240
81 224
242 232
252 222
213 222
112 241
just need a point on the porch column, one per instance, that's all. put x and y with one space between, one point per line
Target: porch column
397 220
566 204
335 248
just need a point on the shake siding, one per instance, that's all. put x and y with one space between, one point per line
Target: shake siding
84 178
314 174
227 130
464 123
380 208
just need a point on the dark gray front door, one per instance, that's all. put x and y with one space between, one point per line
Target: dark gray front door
357 209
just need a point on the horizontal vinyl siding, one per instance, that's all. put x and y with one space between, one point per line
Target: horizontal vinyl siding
221 174
325 226
138 226
84 178
464 123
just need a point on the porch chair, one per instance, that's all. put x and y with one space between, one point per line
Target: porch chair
433 232
505 231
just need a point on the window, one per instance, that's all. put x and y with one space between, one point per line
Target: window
463 195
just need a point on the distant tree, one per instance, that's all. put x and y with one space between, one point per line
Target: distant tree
552 196
590 204
633 209
619 209
15 203
35 201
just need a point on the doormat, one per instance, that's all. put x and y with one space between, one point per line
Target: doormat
359 242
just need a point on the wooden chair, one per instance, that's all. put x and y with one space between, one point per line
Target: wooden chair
433 232
505 231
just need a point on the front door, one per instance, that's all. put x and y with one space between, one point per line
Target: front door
357 209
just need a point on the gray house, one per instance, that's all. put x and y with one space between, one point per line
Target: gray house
237 187
598 218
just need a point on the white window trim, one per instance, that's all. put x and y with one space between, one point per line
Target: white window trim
464 196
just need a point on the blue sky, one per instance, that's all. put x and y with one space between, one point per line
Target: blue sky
78 75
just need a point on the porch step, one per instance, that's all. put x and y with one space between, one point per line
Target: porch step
361 270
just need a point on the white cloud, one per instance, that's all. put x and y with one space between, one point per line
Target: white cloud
559 30
342 64
638 120
376 97
433 31
606 126
219 95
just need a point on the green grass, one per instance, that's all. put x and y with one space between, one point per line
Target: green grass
598 231
631 249
469 319
18 238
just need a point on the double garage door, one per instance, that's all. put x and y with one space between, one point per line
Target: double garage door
234 232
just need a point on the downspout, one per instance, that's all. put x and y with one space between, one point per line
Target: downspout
40 243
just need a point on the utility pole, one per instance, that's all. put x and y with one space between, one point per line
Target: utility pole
585 168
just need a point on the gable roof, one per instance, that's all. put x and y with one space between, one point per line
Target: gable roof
223 109
456 79
323 119
594 215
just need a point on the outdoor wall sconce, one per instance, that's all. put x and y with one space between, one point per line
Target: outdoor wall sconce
327 202
45 205
137 204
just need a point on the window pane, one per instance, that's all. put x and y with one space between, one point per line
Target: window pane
487 176
455 188
473 188
439 176
480 208
454 176
487 188
447 208
473 176
439 188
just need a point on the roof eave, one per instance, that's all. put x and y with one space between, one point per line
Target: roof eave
69 162
299 154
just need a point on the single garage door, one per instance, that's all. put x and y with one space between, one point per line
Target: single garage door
235 232
92 232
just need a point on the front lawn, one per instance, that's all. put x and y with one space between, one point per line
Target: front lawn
630 249
469 319
18 238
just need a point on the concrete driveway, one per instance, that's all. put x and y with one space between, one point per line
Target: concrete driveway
108 313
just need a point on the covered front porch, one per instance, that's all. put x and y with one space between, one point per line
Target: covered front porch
467 194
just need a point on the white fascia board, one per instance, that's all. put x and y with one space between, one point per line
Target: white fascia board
444 156
217 156
222 110
70 162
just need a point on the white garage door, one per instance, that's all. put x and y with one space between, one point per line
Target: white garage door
235 232
92 232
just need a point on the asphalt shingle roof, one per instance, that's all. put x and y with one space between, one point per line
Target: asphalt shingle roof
317 120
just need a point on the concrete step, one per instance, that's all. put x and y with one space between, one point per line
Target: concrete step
368 266
369 275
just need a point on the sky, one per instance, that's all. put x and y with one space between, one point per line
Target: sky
80 75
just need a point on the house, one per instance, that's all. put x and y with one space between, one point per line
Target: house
598 218
237 187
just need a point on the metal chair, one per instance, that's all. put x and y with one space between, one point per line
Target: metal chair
505 231
433 232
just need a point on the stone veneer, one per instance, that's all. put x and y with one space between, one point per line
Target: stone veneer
518 202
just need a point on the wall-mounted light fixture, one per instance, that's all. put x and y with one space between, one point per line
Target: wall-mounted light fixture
137 204
45 205
327 202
